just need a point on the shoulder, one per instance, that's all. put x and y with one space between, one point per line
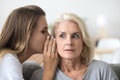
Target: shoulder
99 64
10 58
39 71
8 55
11 67
100 70
37 74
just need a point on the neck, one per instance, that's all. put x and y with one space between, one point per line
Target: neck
70 65
24 56
27 54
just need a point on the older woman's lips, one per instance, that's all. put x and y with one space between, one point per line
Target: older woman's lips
69 50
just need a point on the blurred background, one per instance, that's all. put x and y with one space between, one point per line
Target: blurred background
101 16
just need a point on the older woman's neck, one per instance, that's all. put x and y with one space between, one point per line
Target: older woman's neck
70 65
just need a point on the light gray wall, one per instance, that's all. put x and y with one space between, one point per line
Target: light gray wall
87 9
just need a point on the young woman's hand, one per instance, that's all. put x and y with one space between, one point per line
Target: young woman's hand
50 59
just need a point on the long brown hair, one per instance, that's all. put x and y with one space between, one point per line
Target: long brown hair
18 27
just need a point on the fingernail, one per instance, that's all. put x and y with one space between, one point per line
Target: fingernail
47 37
52 37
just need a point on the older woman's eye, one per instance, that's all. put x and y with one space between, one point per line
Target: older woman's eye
62 35
75 36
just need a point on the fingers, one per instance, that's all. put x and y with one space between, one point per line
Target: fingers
49 46
53 47
50 57
46 45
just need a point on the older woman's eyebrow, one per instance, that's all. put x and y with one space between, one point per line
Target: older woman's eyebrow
76 33
60 32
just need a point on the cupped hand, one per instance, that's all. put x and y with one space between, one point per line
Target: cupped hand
50 57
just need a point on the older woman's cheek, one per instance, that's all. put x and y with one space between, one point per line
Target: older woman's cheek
59 46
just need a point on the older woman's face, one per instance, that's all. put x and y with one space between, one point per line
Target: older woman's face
69 40
38 36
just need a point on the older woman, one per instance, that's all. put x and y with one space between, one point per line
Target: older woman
76 52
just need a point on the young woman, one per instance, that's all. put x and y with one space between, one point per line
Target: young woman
24 34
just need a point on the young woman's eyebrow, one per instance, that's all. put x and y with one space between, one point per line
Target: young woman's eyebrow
45 27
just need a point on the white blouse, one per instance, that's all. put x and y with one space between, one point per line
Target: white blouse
10 68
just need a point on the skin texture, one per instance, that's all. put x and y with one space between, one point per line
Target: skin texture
69 41
36 40
38 36
70 45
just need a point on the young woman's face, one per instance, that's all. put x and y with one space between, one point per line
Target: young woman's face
38 36
69 40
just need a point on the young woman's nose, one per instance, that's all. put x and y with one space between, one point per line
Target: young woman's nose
47 34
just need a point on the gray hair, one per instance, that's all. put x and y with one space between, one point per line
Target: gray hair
87 52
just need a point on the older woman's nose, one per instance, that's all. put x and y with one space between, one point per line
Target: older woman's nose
69 41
